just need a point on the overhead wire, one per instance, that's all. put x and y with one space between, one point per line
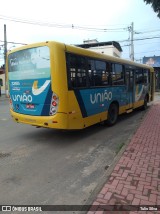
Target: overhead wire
16 43
58 25
77 27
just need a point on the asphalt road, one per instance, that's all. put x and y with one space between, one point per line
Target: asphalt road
50 167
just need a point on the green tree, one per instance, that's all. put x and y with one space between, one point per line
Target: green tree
155 5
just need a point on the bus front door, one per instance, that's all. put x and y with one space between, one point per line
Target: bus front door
129 88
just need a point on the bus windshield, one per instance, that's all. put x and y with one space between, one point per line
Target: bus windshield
32 63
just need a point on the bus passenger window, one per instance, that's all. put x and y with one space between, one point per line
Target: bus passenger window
139 76
105 75
91 71
98 75
76 69
146 75
117 74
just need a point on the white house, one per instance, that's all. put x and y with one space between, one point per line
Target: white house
110 48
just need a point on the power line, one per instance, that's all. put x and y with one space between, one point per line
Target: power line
143 52
148 31
138 39
147 51
15 43
58 25
146 43
154 37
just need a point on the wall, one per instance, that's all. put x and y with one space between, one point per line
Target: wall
109 50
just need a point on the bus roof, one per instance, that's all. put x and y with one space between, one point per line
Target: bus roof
86 52
81 51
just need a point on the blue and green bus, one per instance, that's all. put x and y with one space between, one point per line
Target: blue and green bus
60 86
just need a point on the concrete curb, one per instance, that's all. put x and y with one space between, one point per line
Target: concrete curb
134 175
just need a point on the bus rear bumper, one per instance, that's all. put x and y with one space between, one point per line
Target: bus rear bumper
58 121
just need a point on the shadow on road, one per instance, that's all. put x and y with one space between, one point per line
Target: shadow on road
63 137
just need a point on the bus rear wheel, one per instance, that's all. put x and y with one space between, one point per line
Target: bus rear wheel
112 114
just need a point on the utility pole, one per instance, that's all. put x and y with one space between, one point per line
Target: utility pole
132 44
5 58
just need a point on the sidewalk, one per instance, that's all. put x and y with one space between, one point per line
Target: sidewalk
135 179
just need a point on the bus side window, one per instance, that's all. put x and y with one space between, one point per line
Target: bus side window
71 70
91 71
105 75
139 76
146 76
117 74
76 69
98 75
81 71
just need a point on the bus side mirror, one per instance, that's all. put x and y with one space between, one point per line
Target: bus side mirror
1 82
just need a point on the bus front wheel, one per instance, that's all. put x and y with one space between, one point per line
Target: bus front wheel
112 114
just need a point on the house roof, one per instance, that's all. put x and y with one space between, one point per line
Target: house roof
97 44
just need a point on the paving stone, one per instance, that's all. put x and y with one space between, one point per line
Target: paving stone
136 176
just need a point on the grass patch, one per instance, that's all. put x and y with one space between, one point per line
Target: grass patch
119 148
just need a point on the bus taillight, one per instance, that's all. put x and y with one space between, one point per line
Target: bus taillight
54 104
54 97
10 103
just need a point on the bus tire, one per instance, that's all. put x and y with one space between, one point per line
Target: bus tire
112 114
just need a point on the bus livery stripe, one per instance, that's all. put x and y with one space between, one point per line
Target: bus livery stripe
81 103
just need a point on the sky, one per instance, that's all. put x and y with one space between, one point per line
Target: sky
72 22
